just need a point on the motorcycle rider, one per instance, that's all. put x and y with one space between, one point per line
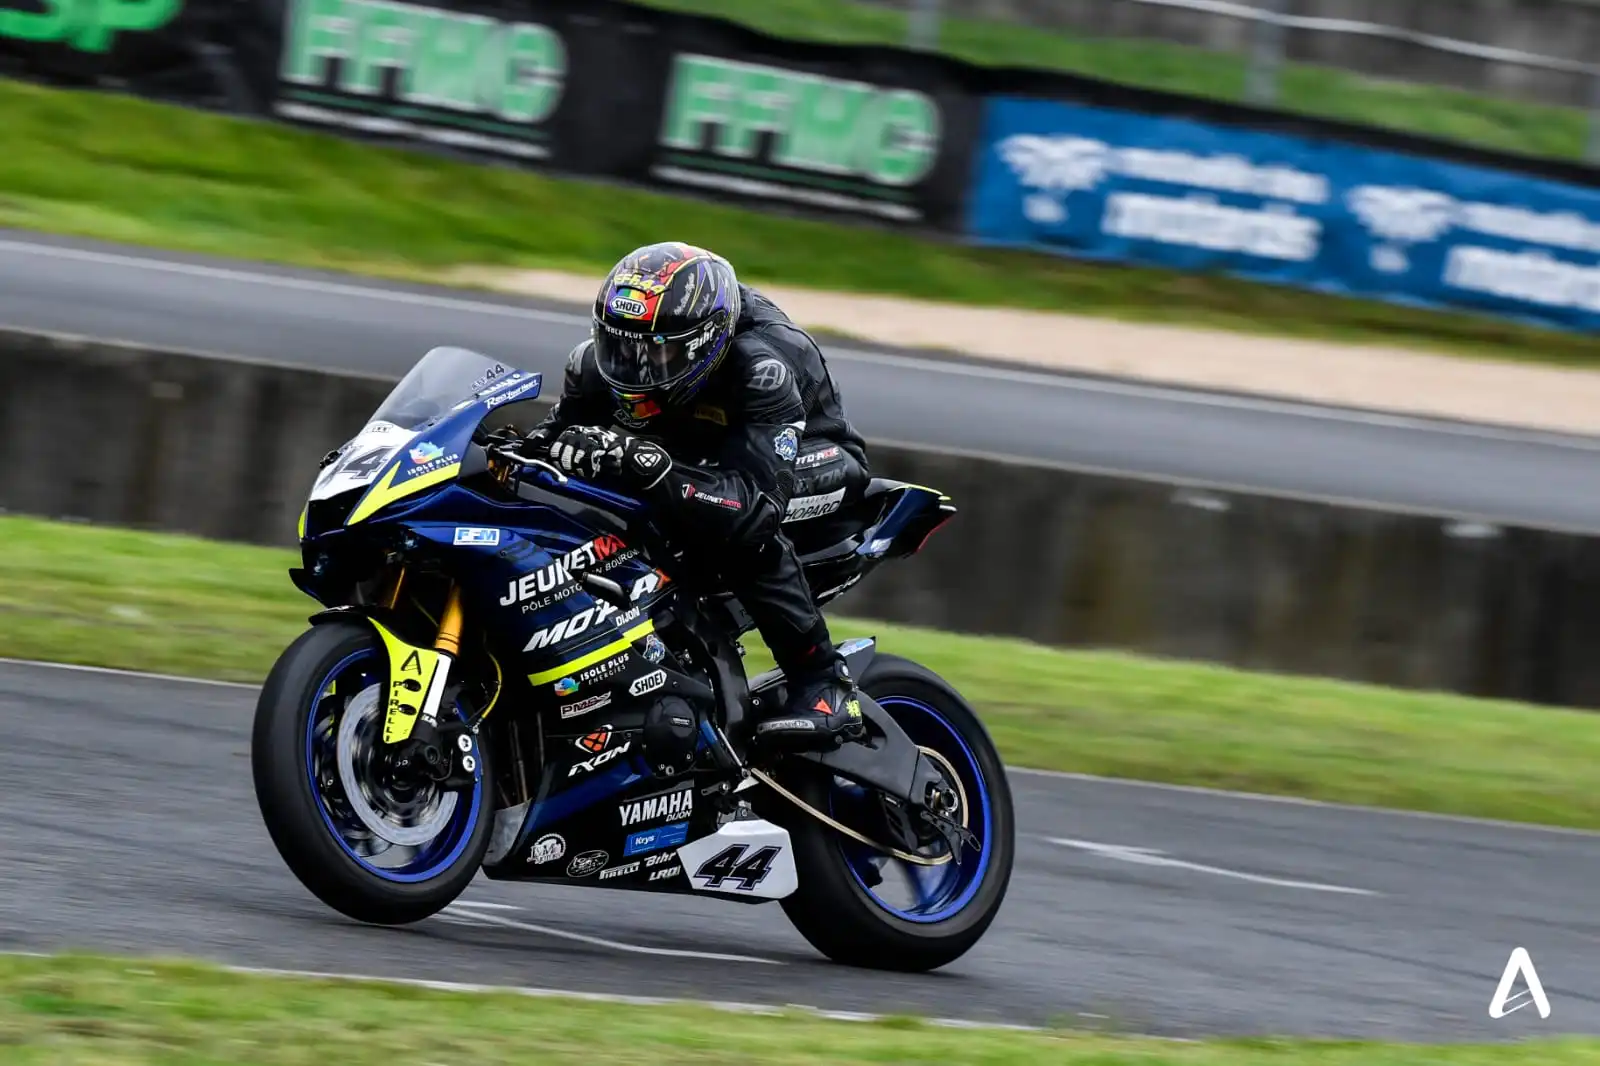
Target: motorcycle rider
702 397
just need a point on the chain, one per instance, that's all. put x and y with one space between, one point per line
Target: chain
903 856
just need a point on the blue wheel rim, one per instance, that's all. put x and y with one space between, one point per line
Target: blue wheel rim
352 674
944 891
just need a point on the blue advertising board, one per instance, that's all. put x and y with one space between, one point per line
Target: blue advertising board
1323 215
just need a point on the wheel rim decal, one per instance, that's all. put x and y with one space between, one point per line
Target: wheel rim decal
928 881
458 831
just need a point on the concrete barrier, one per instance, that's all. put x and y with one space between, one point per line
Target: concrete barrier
227 448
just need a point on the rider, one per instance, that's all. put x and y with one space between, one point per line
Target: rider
699 394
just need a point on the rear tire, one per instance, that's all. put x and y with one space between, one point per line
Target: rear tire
297 811
833 909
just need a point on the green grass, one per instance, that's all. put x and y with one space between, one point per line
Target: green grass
92 1011
111 597
126 170
1490 121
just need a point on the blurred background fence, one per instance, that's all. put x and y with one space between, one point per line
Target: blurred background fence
1539 49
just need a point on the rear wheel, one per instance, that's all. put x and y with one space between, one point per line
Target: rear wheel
861 907
372 845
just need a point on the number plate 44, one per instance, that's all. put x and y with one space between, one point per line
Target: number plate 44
751 858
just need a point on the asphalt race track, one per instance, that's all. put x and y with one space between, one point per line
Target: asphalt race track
205 305
129 825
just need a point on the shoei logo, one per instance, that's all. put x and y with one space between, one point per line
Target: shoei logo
624 305
648 683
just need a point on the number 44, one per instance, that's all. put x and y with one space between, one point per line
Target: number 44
730 864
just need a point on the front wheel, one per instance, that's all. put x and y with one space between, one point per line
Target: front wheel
861 907
373 847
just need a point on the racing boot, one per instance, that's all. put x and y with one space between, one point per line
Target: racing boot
823 711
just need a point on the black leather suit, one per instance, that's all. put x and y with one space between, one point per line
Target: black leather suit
734 476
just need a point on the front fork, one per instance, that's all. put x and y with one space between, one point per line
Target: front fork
419 678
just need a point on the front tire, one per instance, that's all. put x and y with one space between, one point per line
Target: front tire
836 908
375 852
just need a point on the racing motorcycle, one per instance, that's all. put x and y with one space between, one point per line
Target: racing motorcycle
518 672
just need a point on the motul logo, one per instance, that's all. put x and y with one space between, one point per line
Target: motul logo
571 626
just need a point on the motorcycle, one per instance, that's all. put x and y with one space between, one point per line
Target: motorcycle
518 672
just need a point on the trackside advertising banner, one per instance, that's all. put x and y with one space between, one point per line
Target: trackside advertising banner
647 96
706 107
155 45
487 81
878 139
1105 184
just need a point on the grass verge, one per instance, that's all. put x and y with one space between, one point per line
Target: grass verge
120 169
82 1010
148 601
1492 121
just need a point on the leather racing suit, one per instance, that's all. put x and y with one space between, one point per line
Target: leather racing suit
734 478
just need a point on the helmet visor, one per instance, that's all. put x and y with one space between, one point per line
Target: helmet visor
642 361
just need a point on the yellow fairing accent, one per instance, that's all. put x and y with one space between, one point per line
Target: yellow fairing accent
925 488
411 672
301 531
386 491
586 661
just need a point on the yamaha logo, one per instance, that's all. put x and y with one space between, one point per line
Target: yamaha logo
678 804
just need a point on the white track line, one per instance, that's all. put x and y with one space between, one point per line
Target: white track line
1092 779
1041 378
1152 857
1300 801
142 675
730 1006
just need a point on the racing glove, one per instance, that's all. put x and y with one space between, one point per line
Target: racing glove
591 452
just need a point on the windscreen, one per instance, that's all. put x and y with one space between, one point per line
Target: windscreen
440 380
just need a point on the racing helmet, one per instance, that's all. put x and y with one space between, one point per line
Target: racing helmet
663 321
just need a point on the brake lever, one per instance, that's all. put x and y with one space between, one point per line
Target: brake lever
537 464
